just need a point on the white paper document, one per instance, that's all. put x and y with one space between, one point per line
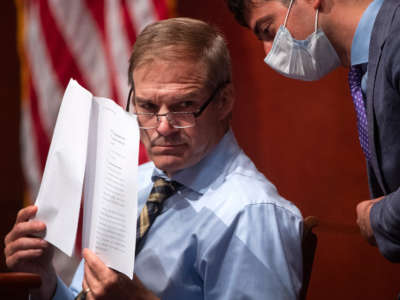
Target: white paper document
94 149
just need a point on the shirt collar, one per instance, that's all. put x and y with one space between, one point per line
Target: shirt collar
210 169
362 37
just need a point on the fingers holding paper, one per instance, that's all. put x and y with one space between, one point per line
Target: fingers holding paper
26 251
105 283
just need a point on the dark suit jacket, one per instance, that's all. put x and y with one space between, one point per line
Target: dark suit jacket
383 110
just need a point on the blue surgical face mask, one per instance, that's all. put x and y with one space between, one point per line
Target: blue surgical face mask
308 59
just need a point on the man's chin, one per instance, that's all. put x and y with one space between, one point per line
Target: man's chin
169 163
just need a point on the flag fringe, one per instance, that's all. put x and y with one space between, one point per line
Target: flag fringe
24 73
171 7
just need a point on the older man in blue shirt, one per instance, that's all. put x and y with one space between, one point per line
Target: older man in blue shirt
224 232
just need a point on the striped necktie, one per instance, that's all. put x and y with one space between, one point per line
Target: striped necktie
162 189
355 76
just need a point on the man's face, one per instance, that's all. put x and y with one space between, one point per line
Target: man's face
163 87
266 16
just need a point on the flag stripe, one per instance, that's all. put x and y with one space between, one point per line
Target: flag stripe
42 72
128 23
142 13
119 48
161 9
81 33
58 50
97 9
41 137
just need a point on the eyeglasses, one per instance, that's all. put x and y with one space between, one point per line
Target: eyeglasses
178 119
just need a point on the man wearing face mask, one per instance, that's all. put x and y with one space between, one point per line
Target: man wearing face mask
305 40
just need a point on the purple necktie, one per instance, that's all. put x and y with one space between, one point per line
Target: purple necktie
355 76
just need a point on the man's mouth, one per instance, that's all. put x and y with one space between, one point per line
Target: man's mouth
167 147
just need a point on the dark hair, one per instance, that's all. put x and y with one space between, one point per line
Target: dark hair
179 39
240 9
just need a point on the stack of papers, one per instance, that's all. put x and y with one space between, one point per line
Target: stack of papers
94 149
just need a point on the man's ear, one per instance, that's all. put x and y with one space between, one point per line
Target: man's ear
225 102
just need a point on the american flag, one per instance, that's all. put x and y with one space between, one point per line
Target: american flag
88 40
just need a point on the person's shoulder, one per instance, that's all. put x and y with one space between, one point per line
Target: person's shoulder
392 30
255 189
245 186
245 200
391 53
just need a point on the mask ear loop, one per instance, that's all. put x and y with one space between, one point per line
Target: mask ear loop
316 20
287 14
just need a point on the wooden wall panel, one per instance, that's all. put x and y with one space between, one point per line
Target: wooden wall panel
303 137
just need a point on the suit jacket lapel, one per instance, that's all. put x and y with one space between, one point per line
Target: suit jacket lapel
379 33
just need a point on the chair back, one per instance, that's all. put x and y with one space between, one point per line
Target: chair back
16 286
309 245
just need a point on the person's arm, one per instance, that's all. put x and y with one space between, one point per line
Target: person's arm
26 252
258 257
363 211
385 224
384 216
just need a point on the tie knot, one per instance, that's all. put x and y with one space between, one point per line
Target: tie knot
355 76
162 189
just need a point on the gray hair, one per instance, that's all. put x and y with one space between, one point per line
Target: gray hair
179 39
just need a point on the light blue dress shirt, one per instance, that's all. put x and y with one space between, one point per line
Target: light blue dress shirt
362 39
226 235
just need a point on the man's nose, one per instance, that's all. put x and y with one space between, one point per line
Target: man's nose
164 127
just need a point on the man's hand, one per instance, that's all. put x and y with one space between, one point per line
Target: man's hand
363 220
105 283
26 252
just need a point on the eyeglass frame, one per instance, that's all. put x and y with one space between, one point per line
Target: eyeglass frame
196 114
